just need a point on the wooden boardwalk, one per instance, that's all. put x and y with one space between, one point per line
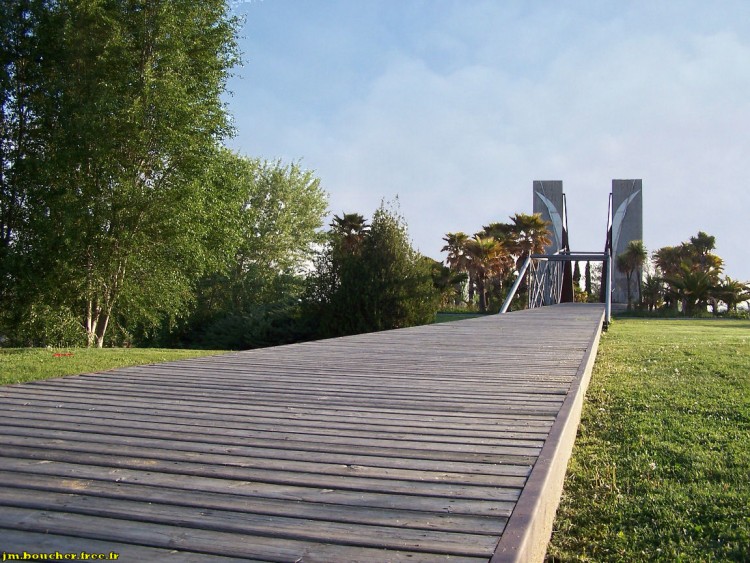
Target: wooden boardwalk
436 443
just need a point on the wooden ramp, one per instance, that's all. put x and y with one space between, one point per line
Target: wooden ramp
440 443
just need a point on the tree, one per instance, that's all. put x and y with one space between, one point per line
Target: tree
386 285
732 292
274 226
681 265
691 288
458 259
282 213
351 229
630 262
127 98
652 291
487 259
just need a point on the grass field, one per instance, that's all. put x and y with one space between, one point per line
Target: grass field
448 317
661 465
19 365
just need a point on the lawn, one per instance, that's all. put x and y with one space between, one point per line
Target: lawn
661 466
19 365
448 317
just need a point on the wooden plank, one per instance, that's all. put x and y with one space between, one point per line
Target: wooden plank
15 541
247 523
274 431
42 411
253 464
179 469
81 473
415 519
210 542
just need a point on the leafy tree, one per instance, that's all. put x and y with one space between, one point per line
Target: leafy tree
128 102
631 261
386 284
275 223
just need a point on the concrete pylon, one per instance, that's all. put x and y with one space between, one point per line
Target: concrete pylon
627 225
549 202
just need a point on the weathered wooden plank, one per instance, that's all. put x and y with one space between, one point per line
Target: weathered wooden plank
179 469
403 417
354 459
238 437
240 522
16 542
282 431
149 452
79 473
418 519
206 541
18 409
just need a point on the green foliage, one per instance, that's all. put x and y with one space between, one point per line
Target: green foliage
380 283
659 469
490 256
256 327
692 276
274 229
631 262
113 109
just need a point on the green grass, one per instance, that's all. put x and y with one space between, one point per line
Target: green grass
18 365
661 466
448 317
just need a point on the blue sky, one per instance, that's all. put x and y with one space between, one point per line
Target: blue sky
456 106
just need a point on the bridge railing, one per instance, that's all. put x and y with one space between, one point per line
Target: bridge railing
546 286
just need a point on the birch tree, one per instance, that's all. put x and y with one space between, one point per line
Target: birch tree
132 114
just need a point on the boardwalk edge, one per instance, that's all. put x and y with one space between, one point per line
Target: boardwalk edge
529 528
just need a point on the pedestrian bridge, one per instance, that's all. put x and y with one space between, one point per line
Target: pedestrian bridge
445 442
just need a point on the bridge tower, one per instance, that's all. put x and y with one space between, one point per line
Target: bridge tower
549 201
626 209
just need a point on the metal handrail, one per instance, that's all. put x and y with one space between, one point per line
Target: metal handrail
605 257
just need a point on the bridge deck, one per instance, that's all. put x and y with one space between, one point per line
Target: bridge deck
423 444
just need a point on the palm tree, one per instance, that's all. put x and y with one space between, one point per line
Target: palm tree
732 292
352 229
632 261
531 232
455 246
668 260
652 292
487 258
691 287
458 259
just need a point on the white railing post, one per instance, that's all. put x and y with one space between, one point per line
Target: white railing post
608 291
512 292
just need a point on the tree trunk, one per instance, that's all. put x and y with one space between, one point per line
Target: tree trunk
482 295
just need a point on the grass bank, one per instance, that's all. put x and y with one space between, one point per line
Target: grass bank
18 365
661 465
448 317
